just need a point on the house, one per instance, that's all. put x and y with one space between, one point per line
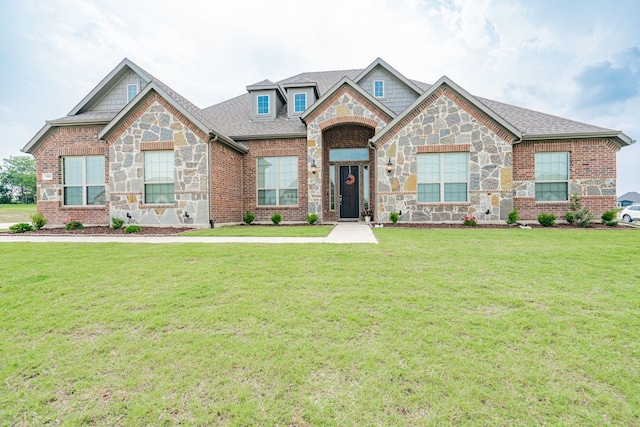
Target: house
628 199
331 143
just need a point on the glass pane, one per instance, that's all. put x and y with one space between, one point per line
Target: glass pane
73 171
73 195
349 154
288 172
332 187
267 172
132 91
428 193
455 167
551 191
552 166
429 168
288 197
95 195
266 197
158 166
95 170
300 102
263 105
455 192
378 89
365 185
158 193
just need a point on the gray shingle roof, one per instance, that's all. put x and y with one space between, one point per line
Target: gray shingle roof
631 196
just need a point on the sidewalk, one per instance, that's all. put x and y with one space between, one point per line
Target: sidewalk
341 234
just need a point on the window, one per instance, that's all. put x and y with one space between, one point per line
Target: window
378 88
348 154
132 91
332 188
299 102
83 180
278 181
263 104
442 177
552 177
158 177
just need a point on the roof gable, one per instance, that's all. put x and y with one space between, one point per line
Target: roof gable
379 62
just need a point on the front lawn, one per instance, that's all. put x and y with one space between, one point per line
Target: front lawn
430 327
263 231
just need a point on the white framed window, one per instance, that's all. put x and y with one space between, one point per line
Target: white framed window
332 188
277 181
443 177
263 104
378 88
132 91
83 181
552 176
158 177
299 102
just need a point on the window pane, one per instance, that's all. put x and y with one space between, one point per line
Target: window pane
73 171
353 154
551 191
158 166
263 104
95 195
428 193
288 197
288 172
300 102
455 192
378 88
552 166
332 187
73 195
158 193
267 172
132 91
429 168
266 197
455 167
95 170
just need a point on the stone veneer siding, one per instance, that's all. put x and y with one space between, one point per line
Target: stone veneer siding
156 125
345 106
445 123
274 148
67 141
592 175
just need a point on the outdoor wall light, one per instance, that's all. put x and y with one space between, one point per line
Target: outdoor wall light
186 214
389 166
314 168
128 215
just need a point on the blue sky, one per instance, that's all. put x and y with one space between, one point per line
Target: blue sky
575 59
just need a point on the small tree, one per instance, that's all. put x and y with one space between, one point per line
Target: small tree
18 176
578 215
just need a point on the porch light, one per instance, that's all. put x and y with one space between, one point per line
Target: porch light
314 168
389 166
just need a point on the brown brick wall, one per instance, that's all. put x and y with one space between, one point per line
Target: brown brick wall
269 148
226 183
529 209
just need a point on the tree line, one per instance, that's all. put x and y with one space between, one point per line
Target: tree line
18 180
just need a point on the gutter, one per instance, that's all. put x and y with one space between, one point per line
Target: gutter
210 181
272 136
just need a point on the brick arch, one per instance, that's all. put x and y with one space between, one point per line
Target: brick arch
348 120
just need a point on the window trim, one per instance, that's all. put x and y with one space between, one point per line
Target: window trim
381 86
295 104
84 186
258 113
442 181
144 180
555 181
130 98
277 183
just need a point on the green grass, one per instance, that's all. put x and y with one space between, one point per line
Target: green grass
263 231
430 327
16 213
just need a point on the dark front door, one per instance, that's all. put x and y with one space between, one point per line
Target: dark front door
349 192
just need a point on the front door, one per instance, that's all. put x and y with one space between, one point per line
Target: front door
349 192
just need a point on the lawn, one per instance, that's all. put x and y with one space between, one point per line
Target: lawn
16 213
263 231
430 327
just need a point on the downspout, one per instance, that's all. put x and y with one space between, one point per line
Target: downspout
210 179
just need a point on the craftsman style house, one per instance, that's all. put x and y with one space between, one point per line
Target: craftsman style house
333 143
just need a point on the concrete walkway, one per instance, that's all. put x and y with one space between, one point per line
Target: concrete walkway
341 233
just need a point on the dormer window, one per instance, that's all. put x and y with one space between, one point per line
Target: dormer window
132 91
263 104
378 88
300 102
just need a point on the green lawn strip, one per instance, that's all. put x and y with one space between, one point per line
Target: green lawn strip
16 213
430 327
262 231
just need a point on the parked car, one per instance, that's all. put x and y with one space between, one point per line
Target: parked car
631 213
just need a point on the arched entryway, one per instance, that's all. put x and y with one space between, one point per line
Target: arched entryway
348 171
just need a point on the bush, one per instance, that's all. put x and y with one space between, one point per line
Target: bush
547 219
608 216
394 216
312 218
569 217
132 229
116 222
73 224
248 217
38 220
611 223
578 215
512 218
276 218
23 227
469 221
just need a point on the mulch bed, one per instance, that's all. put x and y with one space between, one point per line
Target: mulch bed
594 225
108 231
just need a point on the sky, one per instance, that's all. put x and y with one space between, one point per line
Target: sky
578 59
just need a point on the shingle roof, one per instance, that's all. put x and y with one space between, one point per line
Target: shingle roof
631 196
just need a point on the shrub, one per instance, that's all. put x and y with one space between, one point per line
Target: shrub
276 218
547 219
23 227
394 216
512 218
38 220
469 221
312 218
608 216
116 222
569 217
132 229
73 224
611 223
248 217
578 215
